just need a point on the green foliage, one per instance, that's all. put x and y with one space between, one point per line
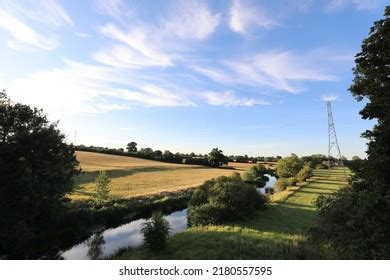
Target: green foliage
102 189
356 221
305 173
323 165
36 171
292 181
350 222
216 158
281 184
131 147
256 175
278 232
155 231
288 166
223 199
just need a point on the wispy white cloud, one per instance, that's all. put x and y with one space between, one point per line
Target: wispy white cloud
279 70
244 15
46 11
192 20
217 75
329 97
82 34
229 98
336 5
139 50
274 70
22 34
31 23
114 8
84 88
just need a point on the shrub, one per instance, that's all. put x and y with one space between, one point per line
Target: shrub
305 173
281 184
102 189
292 181
354 224
205 214
223 199
256 175
155 232
288 166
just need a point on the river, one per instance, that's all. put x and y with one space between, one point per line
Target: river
106 243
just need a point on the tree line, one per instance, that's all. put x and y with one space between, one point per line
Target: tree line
183 158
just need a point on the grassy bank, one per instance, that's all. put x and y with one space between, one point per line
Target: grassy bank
279 232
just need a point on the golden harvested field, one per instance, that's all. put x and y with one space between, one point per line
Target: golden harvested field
239 166
136 177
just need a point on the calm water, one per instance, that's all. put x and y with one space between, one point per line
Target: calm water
269 185
106 243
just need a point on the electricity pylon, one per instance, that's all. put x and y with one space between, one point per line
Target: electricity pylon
333 143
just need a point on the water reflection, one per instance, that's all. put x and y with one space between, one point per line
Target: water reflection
96 246
269 185
106 243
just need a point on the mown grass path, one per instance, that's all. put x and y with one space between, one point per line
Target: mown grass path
279 232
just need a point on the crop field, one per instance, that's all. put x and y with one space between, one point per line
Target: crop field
279 232
137 177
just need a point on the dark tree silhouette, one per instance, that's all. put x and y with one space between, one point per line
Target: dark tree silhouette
36 171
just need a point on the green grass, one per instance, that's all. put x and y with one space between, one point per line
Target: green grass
279 232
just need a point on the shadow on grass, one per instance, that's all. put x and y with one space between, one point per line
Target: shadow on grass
320 188
284 218
316 193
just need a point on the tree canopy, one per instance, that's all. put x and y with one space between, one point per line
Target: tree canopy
217 158
356 221
36 171
288 166
131 147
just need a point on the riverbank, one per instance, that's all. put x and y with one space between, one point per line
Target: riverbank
279 232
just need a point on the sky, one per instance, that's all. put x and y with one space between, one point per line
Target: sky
248 77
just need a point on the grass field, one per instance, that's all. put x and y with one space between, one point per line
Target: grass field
133 177
279 232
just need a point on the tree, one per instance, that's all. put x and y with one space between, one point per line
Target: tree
356 220
256 175
131 147
288 166
157 154
216 158
36 172
168 156
356 158
102 189
155 231
223 199
305 173
146 153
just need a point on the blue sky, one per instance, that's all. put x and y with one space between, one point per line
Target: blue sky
249 77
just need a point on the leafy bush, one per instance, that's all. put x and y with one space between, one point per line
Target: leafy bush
288 166
223 199
281 184
292 181
256 175
305 173
155 231
354 224
102 189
